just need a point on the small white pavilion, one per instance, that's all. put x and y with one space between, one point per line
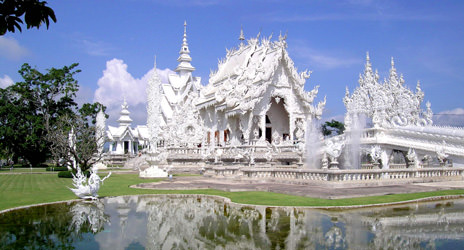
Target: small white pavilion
124 139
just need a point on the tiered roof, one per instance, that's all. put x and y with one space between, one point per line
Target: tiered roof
246 73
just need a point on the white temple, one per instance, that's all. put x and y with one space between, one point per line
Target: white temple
257 94
124 139
255 120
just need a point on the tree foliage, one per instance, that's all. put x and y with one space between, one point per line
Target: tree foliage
37 115
89 111
35 14
333 126
28 108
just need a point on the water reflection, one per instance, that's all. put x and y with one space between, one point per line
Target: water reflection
166 222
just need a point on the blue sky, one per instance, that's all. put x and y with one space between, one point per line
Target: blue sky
115 42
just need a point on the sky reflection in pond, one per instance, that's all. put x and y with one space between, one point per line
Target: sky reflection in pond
186 222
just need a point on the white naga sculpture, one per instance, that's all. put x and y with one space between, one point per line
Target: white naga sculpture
87 188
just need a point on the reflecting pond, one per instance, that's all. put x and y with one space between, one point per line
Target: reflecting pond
200 222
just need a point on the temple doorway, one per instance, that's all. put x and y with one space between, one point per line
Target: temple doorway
126 147
269 134
277 120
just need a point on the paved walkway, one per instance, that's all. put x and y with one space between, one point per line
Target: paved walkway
317 190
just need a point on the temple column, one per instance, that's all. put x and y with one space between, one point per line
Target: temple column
221 137
130 150
111 147
119 148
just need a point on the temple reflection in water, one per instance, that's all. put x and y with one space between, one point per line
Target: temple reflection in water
200 222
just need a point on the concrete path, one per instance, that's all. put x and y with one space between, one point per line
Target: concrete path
317 190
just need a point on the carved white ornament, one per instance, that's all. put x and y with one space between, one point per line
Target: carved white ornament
153 109
390 104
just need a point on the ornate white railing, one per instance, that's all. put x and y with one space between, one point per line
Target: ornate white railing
371 175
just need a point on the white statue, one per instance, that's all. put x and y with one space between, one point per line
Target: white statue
412 158
87 188
376 155
441 155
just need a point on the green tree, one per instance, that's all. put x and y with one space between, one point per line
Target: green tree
333 126
89 111
29 108
35 14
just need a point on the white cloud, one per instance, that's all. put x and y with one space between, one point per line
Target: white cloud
6 81
10 49
117 83
454 117
96 48
320 59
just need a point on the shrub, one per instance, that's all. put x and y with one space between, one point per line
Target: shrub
67 174
56 169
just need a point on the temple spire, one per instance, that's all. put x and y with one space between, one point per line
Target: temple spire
242 37
124 118
184 59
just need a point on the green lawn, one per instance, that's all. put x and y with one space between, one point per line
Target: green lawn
25 189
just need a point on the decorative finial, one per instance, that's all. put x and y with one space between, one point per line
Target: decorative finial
242 37
185 34
392 62
367 56
154 64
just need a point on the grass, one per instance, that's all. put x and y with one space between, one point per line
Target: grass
26 189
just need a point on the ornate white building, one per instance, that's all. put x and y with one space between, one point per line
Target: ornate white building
254 116
124 139
257 94
179 121
387 105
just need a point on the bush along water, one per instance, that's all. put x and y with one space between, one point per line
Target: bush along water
69 174
56 169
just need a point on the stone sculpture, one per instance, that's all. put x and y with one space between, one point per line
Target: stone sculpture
87 188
